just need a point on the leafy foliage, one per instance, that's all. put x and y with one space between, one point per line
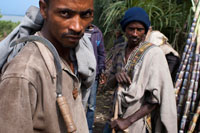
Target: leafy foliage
0 14
166 16
6 27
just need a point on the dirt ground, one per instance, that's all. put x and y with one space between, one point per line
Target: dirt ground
103 106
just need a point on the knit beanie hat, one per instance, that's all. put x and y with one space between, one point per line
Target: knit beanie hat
135 14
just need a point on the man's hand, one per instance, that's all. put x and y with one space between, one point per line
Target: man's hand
123 78
120 124
102 78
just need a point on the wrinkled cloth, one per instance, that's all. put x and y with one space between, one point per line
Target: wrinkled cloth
31 23
172 56
151 83
96 37
86 61
28 94
159 39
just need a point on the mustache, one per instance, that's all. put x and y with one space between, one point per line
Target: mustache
72 33
132 37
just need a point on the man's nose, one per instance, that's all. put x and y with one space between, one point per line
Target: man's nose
135 33
76 24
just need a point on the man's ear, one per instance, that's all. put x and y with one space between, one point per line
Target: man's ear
43 8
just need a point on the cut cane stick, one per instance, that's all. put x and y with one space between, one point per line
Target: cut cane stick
65 111
116 107
117 111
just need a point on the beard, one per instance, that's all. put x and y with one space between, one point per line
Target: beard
134 40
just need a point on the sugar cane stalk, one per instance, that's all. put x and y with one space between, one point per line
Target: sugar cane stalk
116 112
196 115
187 51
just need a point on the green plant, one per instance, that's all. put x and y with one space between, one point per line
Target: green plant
0 14
166 16
6 27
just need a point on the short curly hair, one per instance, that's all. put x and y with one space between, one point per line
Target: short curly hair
47 1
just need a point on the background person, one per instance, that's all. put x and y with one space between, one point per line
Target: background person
89 95
141 69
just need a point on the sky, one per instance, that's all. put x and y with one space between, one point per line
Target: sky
16 7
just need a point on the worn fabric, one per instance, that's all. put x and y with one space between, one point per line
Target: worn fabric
151 83
119 57
96 37
172 56
159 39
31 23
86 64
28 94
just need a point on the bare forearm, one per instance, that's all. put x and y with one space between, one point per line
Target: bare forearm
122 124
143 111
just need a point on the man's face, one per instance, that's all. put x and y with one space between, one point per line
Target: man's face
135 33
66 20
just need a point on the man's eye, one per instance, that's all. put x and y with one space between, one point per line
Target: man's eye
131 29
140 29
86 14
65 14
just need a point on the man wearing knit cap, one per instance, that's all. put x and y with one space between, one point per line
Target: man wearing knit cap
142 80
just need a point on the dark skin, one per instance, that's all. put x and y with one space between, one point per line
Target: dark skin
65 22
135 33
121 124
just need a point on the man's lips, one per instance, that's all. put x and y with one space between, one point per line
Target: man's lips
134 39
73 38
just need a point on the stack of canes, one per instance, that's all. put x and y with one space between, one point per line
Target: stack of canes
186 86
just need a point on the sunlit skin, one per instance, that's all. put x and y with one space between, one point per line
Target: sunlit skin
65 22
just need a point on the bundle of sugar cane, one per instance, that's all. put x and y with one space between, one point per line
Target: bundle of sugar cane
194 120
188 102
188 49
188 88
187 56
197 71
196 115
186 83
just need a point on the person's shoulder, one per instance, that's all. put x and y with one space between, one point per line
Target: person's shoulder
25 62
154 50
96 29
119 46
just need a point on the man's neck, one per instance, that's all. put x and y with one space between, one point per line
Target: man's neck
62 51
129 49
